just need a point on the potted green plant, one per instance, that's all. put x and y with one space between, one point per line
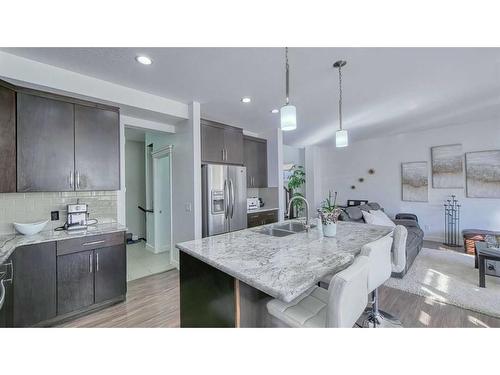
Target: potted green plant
329 214
295 182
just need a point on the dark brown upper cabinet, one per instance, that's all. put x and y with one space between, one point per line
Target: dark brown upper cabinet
65 144
221 143
255 151
97 149
7 140
45 144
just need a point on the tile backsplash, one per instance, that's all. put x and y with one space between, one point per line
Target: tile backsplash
28 207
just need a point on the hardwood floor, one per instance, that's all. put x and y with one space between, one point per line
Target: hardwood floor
154 302
416 312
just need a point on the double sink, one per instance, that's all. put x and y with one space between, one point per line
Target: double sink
283 230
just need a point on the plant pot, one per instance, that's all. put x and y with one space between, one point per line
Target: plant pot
330 230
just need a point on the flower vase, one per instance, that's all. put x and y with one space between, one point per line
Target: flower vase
330 229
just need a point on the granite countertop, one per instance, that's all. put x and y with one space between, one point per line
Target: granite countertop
9 242
262 209
283 267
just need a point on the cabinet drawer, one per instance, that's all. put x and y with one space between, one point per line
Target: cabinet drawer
75 245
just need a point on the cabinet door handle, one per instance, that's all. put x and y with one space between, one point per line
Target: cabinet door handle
96 262
222 154
93 243
77 179
90 263
71 179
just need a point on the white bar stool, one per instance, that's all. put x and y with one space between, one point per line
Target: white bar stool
339 306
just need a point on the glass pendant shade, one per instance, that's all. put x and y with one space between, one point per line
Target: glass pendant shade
341 138
288 115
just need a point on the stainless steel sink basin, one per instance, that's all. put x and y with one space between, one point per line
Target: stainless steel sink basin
292 227
275 232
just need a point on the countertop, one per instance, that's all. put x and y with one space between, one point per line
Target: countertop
262 209
8 243
283 267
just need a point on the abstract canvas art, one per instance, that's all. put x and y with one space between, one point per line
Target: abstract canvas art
414 181
483 174
447 167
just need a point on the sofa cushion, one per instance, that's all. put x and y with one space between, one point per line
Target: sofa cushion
365 207
374 205
374 219
353 213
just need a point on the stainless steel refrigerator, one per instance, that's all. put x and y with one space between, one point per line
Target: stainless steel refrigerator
224 198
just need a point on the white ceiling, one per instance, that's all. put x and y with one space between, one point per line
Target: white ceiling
386 90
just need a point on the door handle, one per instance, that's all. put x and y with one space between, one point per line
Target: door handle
222 154
96 262
226 199
232 197
93 243
90 263
77 180
71 179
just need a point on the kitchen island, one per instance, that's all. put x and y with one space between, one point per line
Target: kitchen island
226 280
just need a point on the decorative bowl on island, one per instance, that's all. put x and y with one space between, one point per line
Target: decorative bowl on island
29 229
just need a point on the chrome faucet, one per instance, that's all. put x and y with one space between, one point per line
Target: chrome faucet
307 226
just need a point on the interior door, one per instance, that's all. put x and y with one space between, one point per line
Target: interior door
162 211
97 149
110 272
45 144
238 197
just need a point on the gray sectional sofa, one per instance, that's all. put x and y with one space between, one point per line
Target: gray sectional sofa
414 239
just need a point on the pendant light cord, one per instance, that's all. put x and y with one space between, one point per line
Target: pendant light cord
340 97
287 67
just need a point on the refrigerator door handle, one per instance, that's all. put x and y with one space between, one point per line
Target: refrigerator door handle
231 185
226 199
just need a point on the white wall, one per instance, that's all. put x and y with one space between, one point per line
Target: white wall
293 155
275 165
341 168
186 180
136 187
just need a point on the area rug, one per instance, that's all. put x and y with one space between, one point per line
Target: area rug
450 277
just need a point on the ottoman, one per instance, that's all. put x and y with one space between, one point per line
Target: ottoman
471 236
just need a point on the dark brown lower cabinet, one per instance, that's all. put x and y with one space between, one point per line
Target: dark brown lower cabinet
75 281
110 273
92 277
34 284
262 218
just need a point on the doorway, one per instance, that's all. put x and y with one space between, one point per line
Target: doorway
148 188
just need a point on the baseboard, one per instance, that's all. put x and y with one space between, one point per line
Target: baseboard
150 248
175 263
440 239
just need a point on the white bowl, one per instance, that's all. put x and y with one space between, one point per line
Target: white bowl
30 228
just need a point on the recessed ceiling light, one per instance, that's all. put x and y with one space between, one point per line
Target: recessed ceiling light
246 99
144 60
275 111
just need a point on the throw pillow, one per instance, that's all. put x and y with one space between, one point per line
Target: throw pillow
377 220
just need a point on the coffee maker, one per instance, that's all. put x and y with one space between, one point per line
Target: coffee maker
77 216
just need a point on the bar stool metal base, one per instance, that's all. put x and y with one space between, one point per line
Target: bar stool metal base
375 318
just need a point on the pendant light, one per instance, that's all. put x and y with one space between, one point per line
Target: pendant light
341 136
288 112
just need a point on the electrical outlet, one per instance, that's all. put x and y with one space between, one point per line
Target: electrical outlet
54 215
188 207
